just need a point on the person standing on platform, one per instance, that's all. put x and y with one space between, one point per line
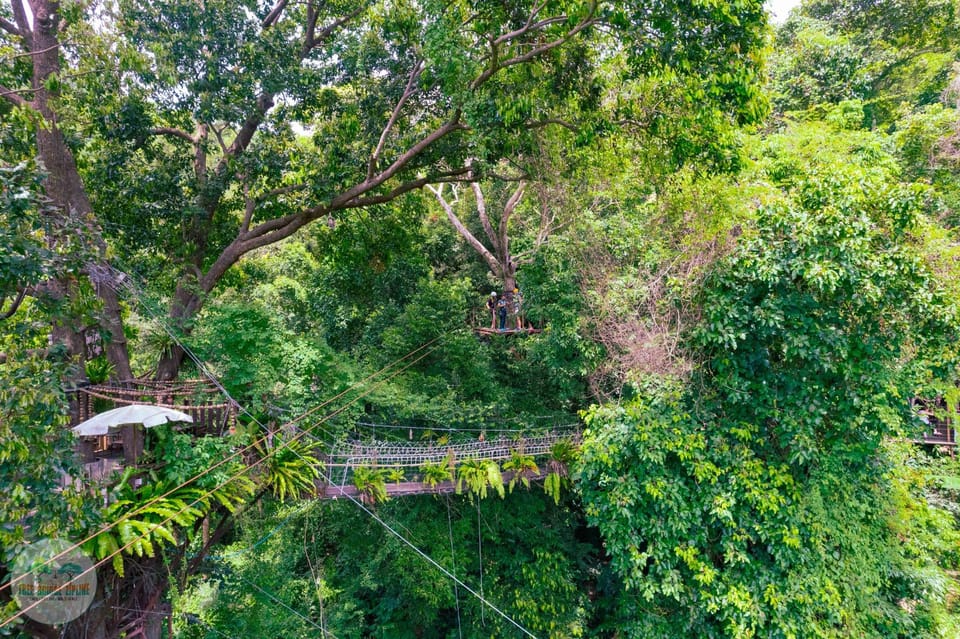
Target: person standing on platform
492 309
502 307
518 307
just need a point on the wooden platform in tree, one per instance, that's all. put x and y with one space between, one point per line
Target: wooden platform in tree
212 413
487 332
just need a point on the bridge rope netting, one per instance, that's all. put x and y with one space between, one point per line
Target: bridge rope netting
415 454
396 369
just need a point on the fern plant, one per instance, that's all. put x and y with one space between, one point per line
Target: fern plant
371 483
433 474
290 469
478 475
523 467
562 454
146 518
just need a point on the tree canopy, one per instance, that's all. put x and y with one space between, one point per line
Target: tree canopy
751 315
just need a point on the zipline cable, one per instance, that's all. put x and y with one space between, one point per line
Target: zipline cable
453 565
360 505
240 451
137 538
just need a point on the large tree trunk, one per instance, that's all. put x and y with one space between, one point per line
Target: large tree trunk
186 304
63 184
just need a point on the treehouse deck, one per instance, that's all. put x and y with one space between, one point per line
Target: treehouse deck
941 422
202 400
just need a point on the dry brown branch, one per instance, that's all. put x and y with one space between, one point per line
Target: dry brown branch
640 318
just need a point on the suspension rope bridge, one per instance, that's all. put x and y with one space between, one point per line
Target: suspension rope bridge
344 458
341 457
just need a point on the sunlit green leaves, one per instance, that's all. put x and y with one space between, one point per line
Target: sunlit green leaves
756 492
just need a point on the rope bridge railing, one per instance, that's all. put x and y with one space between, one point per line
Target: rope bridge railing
416 454
212 413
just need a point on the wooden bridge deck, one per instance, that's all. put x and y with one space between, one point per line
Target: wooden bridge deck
409 488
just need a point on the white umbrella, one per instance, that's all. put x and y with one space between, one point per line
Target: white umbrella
147 415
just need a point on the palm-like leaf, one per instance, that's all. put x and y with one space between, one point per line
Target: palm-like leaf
523 467
433 474
477 475
146 518
290 469
371 483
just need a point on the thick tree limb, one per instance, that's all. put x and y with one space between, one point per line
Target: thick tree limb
315 38
14 96
281 228
177 133
507 37
13 307
311 29
464 232
249 205
485 218
274 14
508 210
452 176
9 27
245 134
218 133
23 23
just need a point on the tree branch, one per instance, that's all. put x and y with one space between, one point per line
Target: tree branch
453 124
406 187
283 190
274 14
539 124
249 205
280 228
177 133
408 91
14 96
309 36
485 218
508 210
27 54
245 134
496 65
312 40
506 37
218 133
23 23
464 232
9 27
16 304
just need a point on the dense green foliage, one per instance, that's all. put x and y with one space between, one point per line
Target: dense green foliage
741 317
754 498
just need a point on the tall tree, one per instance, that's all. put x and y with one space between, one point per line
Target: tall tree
199 130
499 257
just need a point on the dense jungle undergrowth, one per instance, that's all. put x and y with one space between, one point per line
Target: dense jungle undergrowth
736 246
